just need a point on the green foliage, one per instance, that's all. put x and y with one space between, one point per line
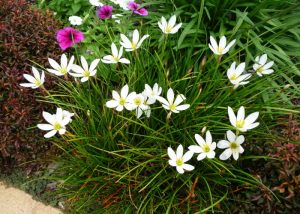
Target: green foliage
114 162
66 8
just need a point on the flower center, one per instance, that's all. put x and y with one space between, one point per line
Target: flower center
220 49
133 45
172 107
260 69
206 148
137 101
63 70
240 124
169 29
57 126
122 101
233 77
86 73
179 162
116 58
233 145
37 82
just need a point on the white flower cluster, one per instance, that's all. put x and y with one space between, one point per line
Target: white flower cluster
237 75
140 102
206 147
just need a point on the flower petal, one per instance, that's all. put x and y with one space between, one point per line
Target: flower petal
226 154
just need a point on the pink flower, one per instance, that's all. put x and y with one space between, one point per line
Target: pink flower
136 9
68 37
105 12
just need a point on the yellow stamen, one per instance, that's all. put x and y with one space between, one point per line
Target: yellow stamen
179 162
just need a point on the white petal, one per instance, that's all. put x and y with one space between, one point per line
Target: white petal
64 61
170 96
241 113
28 85
126 43
201 156
235 155
77 69
208 138
114 50
45 127
182 107
176 28
179 99
187 156
116 95
124 60
269 71
70 63
268 65
222 144
29 78
211 154
240 139
230 136
54 64
188 167
228 46
179 151
251 118
49 117
226 154
50 134
213 43
195 149
199 140
84 79
112 104
232 117
172 162
240 69
179 169
135 36
124 91
171 153
120 108
263 59
252 126
222 43
94 64
172 21
142 40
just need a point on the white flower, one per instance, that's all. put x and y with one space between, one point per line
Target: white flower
234 74
35 81
63 68
239 121
169 27
75 20
85 71
232 146
122 3
206 147
138 102
96 3
57 122
135 43
178 159
115 17
172 105
221 48
68 115
152 94
121 100
116 56
261 66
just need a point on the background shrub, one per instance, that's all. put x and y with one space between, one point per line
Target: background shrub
27 36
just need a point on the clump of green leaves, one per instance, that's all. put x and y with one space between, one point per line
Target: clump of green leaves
116 162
